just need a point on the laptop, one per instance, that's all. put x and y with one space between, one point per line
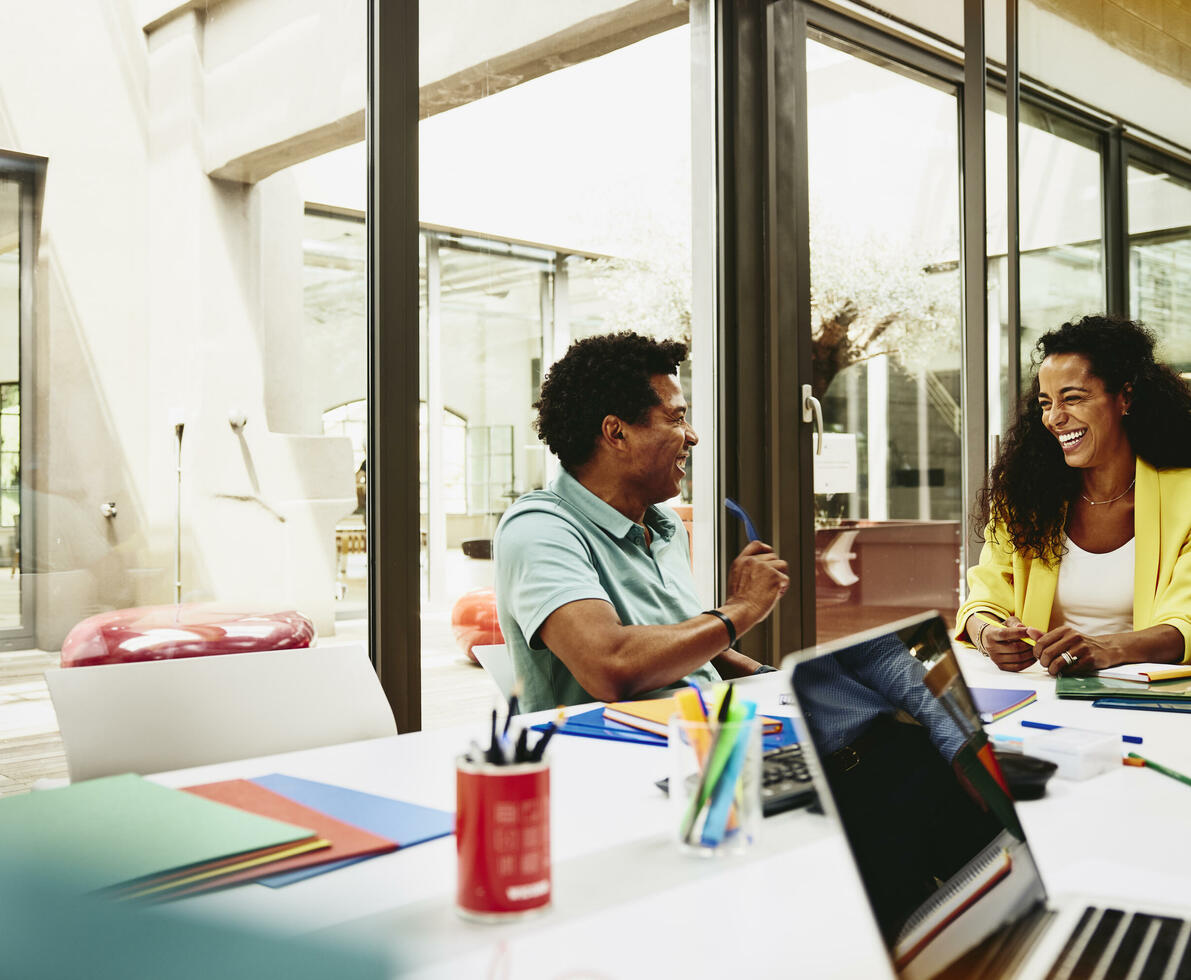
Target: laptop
900 757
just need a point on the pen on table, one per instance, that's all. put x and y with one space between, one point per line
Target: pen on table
740 512
1150 764
1029 640
1135 739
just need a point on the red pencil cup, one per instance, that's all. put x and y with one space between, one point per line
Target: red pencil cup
502 838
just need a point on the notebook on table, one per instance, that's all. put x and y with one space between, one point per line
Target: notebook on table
900 756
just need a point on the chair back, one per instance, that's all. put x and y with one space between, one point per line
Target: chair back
495 660
172 714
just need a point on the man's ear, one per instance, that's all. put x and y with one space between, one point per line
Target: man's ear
1127 393
612 431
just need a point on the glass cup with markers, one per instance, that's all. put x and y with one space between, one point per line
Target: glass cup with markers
715 781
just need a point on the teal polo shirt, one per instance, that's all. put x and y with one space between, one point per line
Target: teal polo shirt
564 543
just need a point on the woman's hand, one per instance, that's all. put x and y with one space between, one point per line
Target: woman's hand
1162 644
1003 645
1066 651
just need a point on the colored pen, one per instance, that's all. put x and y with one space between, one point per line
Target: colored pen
1135 739
1030 641
539 749
740 512
1150 764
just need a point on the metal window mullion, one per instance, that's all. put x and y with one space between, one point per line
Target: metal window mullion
394 628
791 473
1012 206
706 340
1115 223
975 262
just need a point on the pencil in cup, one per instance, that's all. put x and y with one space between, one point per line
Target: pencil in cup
715 797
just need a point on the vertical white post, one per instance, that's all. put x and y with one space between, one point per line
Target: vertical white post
878 438
436 518
923 449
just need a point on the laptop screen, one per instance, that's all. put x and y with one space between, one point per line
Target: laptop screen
912 777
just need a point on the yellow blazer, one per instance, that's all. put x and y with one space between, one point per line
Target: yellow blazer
1005 583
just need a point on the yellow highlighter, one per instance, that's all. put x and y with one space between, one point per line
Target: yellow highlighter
1029 640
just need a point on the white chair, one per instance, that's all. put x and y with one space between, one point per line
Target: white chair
495 660
171 714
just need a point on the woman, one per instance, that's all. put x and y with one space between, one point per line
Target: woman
1087 512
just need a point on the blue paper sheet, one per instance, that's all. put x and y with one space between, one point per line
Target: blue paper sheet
403 823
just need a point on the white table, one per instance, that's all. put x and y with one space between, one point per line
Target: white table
628 904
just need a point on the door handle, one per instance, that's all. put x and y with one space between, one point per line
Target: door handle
812 411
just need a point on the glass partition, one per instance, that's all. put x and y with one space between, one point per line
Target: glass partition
556 204
1160 258
885 338
13 614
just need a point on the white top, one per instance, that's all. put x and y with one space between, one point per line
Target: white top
1095 592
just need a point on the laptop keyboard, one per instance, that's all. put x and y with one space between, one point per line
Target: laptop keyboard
785 780
1108 944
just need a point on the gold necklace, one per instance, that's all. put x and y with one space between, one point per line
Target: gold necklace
1097 503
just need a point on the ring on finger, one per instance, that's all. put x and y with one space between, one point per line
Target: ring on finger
1071 661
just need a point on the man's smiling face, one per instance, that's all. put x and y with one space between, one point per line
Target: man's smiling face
662 443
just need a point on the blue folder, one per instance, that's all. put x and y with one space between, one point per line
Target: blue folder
1142 704
403 823
593 724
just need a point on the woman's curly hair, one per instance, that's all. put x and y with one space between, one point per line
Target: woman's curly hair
597 377
1030 486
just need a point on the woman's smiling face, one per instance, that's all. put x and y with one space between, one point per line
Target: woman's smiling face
1077 410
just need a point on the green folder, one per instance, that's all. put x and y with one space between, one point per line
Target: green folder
111 831
1089 688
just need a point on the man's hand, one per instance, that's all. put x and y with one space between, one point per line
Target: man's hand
756 580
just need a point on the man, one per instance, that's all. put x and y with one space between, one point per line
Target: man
593 575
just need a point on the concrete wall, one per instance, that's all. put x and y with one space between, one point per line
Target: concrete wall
163 295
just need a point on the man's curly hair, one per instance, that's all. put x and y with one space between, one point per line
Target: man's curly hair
1030 487
600 376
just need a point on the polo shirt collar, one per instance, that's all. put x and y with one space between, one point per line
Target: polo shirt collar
603 514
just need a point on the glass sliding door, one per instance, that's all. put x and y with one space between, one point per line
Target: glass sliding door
555 202
16 605
883 152
1160 257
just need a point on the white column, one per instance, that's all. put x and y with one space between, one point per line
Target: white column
436 517
923 450
878 438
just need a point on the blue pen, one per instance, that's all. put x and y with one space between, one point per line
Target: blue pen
1135 739
739 511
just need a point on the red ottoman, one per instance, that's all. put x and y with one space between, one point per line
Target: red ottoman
474 621
192 629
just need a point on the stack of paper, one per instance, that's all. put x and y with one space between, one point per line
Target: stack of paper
132 837
1146 673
